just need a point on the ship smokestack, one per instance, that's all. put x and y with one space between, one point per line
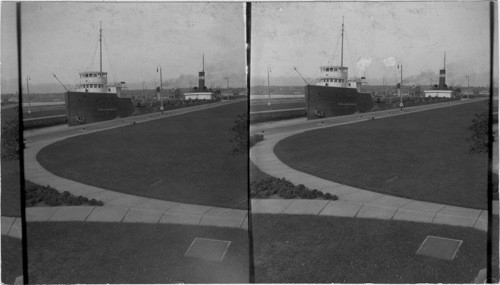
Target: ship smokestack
442 75
201 76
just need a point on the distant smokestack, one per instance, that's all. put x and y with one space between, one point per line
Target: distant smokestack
442 75
442 79
201 76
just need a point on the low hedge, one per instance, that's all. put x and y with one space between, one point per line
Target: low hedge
254 139
36 194
285 189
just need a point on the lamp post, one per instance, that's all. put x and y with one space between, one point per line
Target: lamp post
227 86
268 89
400 66
468 91
28 89
158 67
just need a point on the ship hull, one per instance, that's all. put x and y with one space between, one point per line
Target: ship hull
324 102
89 107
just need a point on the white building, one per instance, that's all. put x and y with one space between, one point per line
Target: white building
438 93
198 95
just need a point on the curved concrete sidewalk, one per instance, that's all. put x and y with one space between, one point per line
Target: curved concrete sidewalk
118 207
353 202
12 227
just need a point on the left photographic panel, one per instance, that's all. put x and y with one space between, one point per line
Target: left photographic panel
12 246
135 128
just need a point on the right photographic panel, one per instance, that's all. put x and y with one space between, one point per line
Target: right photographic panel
372 142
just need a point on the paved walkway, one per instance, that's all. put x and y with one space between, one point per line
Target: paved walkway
353 202
12 226
118 207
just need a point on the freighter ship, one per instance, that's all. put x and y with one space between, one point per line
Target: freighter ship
334 94
95 100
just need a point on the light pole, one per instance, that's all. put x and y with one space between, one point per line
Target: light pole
227 86
28 89
400 66
158 67
468 91
268 89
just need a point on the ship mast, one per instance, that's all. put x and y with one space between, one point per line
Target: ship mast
342 45
100 49
444 66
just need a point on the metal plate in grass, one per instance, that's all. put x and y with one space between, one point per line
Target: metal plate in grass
208 249
439 247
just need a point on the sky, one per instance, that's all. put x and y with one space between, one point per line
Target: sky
377 36
8 48
62 37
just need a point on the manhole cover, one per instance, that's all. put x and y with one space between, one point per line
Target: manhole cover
208 249
439 247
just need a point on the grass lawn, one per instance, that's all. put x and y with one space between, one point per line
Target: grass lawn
11 190
186 158
422 156
12 259
75 252
256 175
313 249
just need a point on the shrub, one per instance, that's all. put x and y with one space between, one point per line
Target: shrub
285 189
254 139
479 130
36 194
94 202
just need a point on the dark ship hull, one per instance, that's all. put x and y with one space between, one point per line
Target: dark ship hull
324 102
88 107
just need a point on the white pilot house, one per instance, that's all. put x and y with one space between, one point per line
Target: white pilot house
336 76
97 82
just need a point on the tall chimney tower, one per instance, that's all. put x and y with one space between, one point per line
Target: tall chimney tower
442 75
201 77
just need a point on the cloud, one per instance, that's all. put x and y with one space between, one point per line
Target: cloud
390 61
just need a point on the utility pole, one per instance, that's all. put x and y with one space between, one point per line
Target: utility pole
28 89
400 66
158 67
227 86
384 88
468 90
268 89
100 49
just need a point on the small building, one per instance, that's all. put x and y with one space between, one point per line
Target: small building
438 93
484 93
198 95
